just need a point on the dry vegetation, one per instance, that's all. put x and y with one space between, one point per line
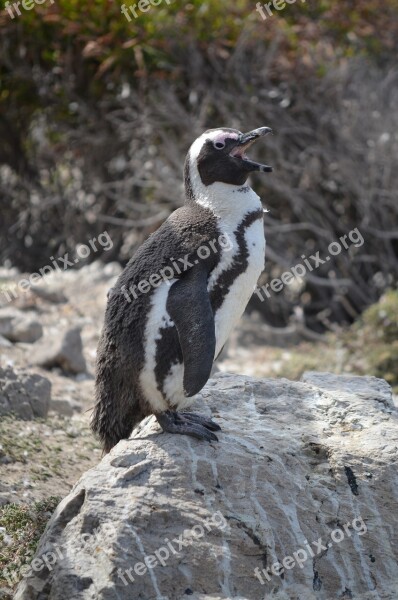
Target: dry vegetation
98 114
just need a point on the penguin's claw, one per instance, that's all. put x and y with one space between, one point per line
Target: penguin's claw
188 424
201 420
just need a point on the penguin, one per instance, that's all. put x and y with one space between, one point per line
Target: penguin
178 298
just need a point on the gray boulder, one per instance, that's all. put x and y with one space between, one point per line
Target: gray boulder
26 395
63 350
297 500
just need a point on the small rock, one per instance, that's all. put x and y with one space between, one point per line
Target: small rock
65 407
26 330
19 327
39 390
72 432
64 350
54 295
112 269
7 316
26 395
83 377
4 343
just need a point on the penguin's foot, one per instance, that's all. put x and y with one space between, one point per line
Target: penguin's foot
202 420
197 426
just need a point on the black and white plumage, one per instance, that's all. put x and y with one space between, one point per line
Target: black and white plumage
158 346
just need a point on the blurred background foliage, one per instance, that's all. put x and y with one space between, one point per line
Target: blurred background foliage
97 113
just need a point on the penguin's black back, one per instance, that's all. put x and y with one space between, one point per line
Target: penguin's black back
120 404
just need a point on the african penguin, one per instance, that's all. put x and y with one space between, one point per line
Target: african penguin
174 305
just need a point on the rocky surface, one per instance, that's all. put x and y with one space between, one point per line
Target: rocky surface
296 501
25 395
42 458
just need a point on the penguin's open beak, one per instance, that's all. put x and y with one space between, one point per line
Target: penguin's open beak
244 142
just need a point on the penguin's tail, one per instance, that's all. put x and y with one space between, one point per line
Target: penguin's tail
116 410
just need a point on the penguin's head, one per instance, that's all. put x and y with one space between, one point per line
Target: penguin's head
219 156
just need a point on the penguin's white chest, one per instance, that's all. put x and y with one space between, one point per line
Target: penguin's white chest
241 263
243 285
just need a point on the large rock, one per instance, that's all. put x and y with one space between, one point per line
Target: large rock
64 350
298 500
26 395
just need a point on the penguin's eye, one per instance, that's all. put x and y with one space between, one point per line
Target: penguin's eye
219 145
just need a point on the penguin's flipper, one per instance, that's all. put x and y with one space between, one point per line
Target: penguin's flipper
189 306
